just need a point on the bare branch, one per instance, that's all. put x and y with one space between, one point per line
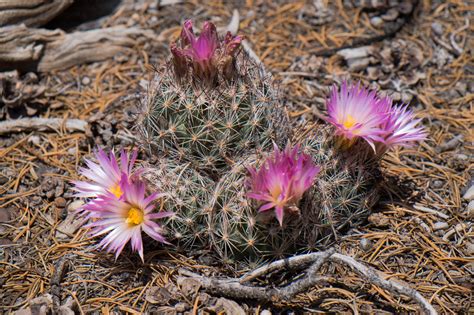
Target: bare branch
234 287
41 124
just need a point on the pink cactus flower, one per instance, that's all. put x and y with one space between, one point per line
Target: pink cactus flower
105 176
357 112
400 129
203 48
204 53
232 44
124 219
282 180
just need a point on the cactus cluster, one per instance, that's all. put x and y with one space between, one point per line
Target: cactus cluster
210 127
208 122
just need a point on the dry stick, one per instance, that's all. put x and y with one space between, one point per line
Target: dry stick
233 287
374 277
41 124
288 263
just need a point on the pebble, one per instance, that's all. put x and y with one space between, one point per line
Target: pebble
437 28
437 184
266 312
181 307
358 64
469 249
470 209
60 202
5 214
391 15
376 21
86 81
440 226
73 206
469 195
365 244
34 139
461 157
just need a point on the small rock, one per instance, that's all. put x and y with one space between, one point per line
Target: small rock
158 295
437 28
461 157
358 64
60 202
469 194
373 73
354 53
69 226
365 244
469 249
470 209
73 206
265 312
5 214
437 184
406 7
188 286
72 151
181 307
226 306
440 226
376 21
35 139
86 81
391 15
41 305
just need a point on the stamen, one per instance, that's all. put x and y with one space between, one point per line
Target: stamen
135 216
116 190
349 122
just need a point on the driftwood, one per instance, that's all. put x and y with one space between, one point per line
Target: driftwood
236 288
41 124
46 50
30 12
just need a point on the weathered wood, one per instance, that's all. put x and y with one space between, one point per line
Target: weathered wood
41 124
45 50
30 12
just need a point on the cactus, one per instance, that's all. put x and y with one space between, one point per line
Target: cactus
209 119
220 218
211 114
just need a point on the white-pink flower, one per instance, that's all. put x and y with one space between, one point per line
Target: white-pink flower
400 129
105 175
357 112
123 220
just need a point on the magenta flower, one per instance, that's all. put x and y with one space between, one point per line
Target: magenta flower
400 129
124 219
282 180
203 54
357 112
203 48
105 176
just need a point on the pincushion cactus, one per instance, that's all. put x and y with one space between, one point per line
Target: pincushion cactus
212 117
211 103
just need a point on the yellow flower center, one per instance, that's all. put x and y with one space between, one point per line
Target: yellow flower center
135 216
116 191
275 191
349 122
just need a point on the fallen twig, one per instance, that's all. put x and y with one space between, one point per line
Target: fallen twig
234 287
46 50
41 124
